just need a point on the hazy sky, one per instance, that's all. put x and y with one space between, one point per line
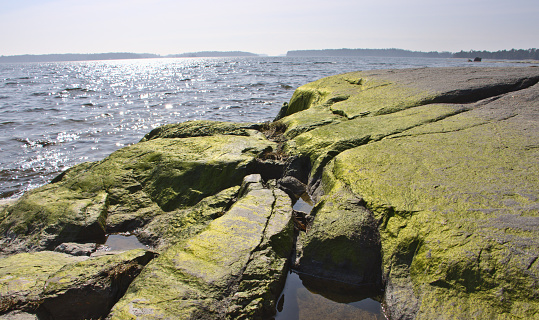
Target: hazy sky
269 27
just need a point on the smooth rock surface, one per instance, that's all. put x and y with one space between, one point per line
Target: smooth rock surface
77 249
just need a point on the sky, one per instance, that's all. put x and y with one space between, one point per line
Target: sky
264 27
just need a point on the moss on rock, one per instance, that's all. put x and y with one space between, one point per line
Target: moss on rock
425 176
201 128
342 243
234 267
175 226
62 286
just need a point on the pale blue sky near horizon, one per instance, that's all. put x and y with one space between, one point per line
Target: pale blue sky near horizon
268 27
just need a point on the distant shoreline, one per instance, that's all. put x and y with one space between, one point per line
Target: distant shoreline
513 54
67 57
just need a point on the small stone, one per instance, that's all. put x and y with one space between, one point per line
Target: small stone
77 249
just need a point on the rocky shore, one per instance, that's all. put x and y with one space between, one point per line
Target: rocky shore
425 184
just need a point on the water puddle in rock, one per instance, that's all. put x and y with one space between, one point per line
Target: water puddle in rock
305 297
304 204
308 297
121 242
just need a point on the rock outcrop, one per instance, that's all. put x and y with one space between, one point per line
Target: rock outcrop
425 183
235 268
439 166
225 244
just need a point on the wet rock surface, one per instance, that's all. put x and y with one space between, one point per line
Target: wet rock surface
425 188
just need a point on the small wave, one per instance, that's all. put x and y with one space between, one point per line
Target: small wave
7 123
40 109
4 97
40 94
89 104
10 195
15 173
77 89
75 120
36 143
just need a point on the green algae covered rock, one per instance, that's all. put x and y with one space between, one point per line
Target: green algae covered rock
23 277
129 188
445 162
458 212
62 286
342 243
233 269
201 128
175 226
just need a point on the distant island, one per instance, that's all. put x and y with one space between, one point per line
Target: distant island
513 54
117 56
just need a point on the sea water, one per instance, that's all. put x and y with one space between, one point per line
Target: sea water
55 115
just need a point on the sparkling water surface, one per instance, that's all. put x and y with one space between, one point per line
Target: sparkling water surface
55 115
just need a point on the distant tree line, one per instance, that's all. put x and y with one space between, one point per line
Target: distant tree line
367 53
512 54
503 54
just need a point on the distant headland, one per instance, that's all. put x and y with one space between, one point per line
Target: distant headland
118 55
